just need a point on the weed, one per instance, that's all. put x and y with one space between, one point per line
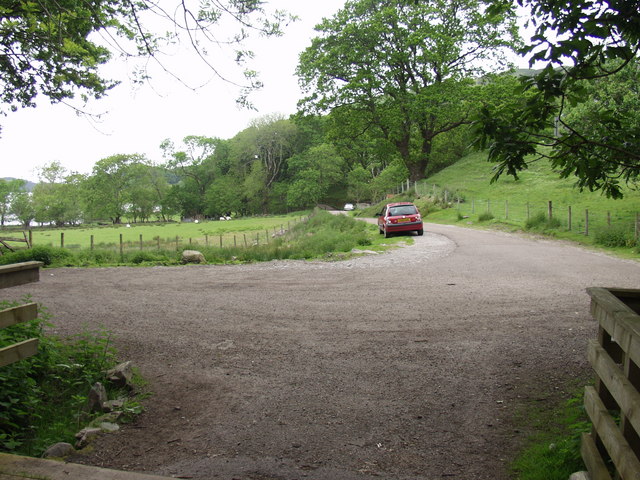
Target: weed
541 223
615 236
485 217
43 398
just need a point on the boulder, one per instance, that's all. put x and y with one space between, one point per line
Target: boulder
59 450
121 375
192 256
580 476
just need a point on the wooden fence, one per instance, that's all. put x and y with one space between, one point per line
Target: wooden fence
612 449
12 275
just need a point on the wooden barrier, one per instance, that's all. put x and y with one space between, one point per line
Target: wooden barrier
613 404
27 348
19 273
7 241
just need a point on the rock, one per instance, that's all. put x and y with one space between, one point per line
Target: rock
113 406
109 427
59 450
97 397
121 375
580 476
192 256
85 436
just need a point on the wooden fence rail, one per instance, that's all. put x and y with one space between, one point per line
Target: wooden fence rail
613 404
26 348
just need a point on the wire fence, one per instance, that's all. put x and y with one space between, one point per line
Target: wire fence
569 217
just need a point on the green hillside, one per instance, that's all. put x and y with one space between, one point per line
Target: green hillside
577 215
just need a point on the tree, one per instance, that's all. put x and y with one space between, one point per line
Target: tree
109 185
8 190
57 198
405 67
22 208
56 48
584 45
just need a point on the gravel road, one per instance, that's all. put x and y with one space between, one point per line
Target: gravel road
413 364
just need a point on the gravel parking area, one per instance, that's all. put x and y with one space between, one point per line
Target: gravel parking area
411 364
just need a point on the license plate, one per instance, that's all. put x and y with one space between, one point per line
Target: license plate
401 220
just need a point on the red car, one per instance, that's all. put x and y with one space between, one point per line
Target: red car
399 217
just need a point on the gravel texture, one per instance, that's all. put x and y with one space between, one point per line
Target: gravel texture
413 364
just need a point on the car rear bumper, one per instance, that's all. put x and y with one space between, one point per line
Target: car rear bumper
404 227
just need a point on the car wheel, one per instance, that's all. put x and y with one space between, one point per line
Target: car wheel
387 234
420 232
380 230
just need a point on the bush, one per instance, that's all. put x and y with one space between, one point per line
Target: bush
44 254
541 222
615 236
485 217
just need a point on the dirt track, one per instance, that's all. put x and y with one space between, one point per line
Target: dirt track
407 365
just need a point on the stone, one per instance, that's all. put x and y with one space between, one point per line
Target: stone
193 256
109 427
121 375
59 450
580 476
97 397
85 436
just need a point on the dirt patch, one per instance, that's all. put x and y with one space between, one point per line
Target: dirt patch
405 365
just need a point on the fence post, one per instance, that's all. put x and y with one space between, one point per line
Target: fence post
30 239
245 239
61 239
91 242
550 209
506 209
569 223
257 239
158 238
608 219
177 243
206 240
235 244
140 241
121 249
220 240
586 222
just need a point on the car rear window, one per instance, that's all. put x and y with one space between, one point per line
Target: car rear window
403 210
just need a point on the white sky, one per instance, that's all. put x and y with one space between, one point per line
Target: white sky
137 120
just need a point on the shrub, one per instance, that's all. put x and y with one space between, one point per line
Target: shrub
541 222
45 254
485 217
615 236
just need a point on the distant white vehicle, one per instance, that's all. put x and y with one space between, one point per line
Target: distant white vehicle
348 207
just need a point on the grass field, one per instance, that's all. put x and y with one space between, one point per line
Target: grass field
250 228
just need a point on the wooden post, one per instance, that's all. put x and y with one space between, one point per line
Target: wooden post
61 239
91 242
608 219
121 248
140 241
266 235
235 244
206 240
506 209
220 240
586 222
257 239
569 222
245 239
550 210
158 238
30 238
189 241
177 243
